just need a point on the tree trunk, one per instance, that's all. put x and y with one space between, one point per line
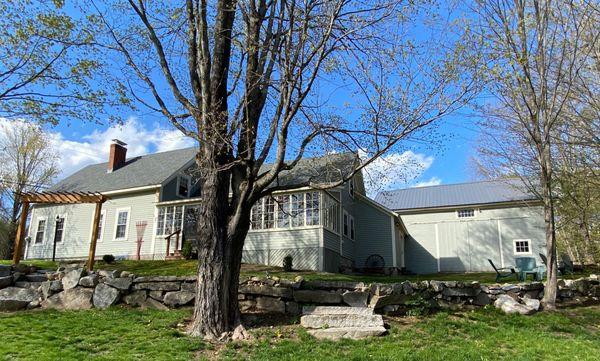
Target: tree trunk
216 311
549 300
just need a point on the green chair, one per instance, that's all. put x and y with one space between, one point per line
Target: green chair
527 266
502 273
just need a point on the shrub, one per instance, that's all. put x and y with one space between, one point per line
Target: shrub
187 250
287 263
108 258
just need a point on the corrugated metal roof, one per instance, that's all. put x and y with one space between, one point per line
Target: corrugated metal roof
494 191
152 169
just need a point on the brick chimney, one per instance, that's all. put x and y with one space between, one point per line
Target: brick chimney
116 158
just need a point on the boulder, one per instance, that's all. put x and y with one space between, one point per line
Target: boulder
461 292
265 290
136 298
309 296
49 288
71 299
247 305
127 274
379 301
532 303
145 279
482 299
437 286
355 333
270 304
595 291
188 286
120 283
14 298
292 308
105 296
153 304
178 298
6 281
25 284
157 286
36 277
336 310
407 288
321 321
89 281
333 285
510 305
355 298
71 278
5 270
157 295
23 268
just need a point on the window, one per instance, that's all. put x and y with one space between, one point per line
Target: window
39 233
348 230
58 229
352 233
169 219
466 213
351 187
283 211
100 225
331 213
183 186
312 209
121 224
256 215
346 226
522 246
269 215
297 211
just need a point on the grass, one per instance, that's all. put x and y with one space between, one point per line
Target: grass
120 333
188 267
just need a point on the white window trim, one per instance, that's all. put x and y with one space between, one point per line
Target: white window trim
475 211
128 209
37 226
101 235
63 216
528 244
290 227
347 216
189 184
351 228
351 187
325 209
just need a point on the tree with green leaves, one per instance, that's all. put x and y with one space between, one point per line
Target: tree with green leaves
252 82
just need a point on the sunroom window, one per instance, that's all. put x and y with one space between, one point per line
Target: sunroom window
168 220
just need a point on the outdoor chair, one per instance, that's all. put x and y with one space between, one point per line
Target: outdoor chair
502 273
527 266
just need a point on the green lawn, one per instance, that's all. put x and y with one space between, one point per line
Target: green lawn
188 267
125 334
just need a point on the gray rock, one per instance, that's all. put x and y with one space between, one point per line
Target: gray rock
178 298
336 310
120 283
247 305
335 321
157 295
145 279
36 277
17 276
188 286
71 299
355 333
49 288
105 296
5 270
437 286
461 292
511 288
333 285
309 296
24 284
127 274
89 281
270 304
510 305
71 278
390 309
136 298
157 286
265 290
14 298
407 288
595 291
153 304
292 308
392 299
482 299
355 298
6 281
532 303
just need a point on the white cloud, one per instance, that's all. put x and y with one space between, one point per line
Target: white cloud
433 181
94 147
395 170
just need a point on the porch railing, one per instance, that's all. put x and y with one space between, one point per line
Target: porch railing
177 234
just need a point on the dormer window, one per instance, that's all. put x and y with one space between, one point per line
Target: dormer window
183 186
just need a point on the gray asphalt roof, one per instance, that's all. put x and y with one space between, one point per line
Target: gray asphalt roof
155 168
494 191
139 171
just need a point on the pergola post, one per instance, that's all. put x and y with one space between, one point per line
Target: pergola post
20 234
96 223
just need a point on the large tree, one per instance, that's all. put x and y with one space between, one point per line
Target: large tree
538 50
257 82
29 164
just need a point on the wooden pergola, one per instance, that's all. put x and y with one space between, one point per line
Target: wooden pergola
59 198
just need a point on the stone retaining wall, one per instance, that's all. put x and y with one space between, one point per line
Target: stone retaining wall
24 287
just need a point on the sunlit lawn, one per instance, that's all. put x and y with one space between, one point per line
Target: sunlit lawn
126 334
188 267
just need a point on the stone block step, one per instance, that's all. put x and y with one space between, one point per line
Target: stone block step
347 332
336 310
344 321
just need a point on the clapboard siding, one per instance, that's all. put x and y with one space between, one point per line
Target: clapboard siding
285 238
331 240
465 244
373 233
78 228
